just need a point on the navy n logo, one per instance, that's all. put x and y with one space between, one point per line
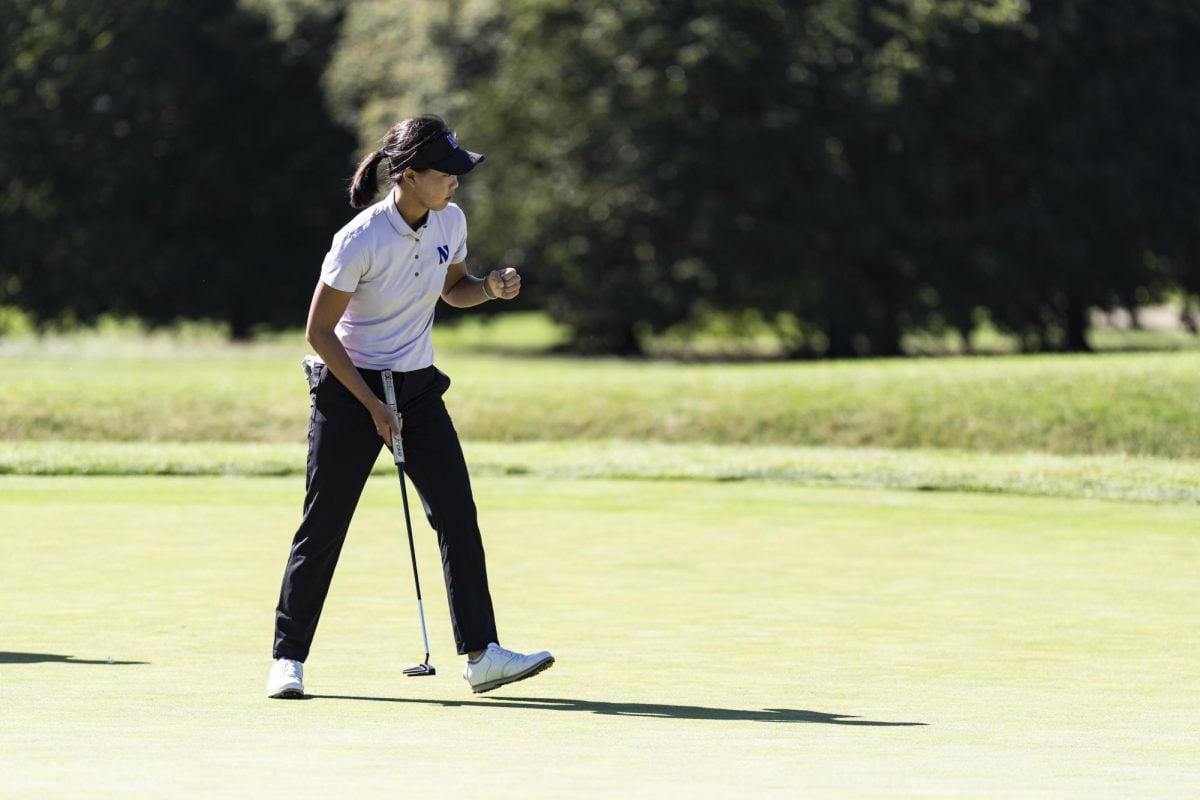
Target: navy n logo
443 253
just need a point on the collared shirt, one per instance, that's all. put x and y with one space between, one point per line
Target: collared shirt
396 275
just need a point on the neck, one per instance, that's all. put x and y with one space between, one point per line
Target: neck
412 211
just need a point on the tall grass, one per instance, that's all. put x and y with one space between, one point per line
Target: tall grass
117 387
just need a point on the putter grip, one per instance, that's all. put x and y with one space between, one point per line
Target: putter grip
389 392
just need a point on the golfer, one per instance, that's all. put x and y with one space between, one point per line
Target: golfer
372 311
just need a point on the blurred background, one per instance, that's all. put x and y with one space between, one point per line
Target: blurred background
802 179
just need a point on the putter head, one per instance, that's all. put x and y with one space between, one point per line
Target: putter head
420 670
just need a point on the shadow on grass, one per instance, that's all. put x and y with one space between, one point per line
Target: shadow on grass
48 658
654 710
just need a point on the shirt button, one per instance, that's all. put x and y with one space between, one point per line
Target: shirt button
417 274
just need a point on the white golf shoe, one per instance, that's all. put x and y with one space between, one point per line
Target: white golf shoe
286 680
496 667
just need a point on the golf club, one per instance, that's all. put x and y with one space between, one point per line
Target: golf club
389 390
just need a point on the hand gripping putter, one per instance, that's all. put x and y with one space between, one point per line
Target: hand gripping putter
389 390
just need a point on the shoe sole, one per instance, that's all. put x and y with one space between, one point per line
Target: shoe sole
287 694
529 673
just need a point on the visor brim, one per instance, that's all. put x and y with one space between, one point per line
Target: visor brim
457 162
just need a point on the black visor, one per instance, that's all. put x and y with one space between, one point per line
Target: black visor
444 155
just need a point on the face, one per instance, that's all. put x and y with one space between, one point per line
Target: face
431 188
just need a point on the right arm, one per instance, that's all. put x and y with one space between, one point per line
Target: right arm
328 305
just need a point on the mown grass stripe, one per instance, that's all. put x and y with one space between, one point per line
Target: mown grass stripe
1108 477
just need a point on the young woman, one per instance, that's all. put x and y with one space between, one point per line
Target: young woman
372 311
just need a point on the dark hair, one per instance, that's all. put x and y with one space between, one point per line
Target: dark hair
399 147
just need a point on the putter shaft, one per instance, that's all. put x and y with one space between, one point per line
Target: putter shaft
389 390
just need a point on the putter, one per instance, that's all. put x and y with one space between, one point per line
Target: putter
425 668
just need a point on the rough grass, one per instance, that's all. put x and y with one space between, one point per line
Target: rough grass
162 390
1142 479
713 640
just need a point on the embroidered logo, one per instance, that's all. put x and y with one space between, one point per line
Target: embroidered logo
443 253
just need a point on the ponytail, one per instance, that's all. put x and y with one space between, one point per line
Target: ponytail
365 183
399 148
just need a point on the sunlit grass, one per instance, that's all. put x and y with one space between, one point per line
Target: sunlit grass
172 388
749 639
1036 474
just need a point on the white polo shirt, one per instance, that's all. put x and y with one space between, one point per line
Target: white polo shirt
396 275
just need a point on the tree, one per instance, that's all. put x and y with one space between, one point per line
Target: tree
164 160
643 152
1054 149
854 170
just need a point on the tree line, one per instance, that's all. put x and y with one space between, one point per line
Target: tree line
849 172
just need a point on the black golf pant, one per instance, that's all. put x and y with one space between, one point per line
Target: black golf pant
342 449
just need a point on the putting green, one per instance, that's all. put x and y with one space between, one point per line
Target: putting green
713 639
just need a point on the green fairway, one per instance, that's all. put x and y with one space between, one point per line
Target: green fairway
953 577
742 639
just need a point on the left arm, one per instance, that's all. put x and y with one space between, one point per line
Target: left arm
463 290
